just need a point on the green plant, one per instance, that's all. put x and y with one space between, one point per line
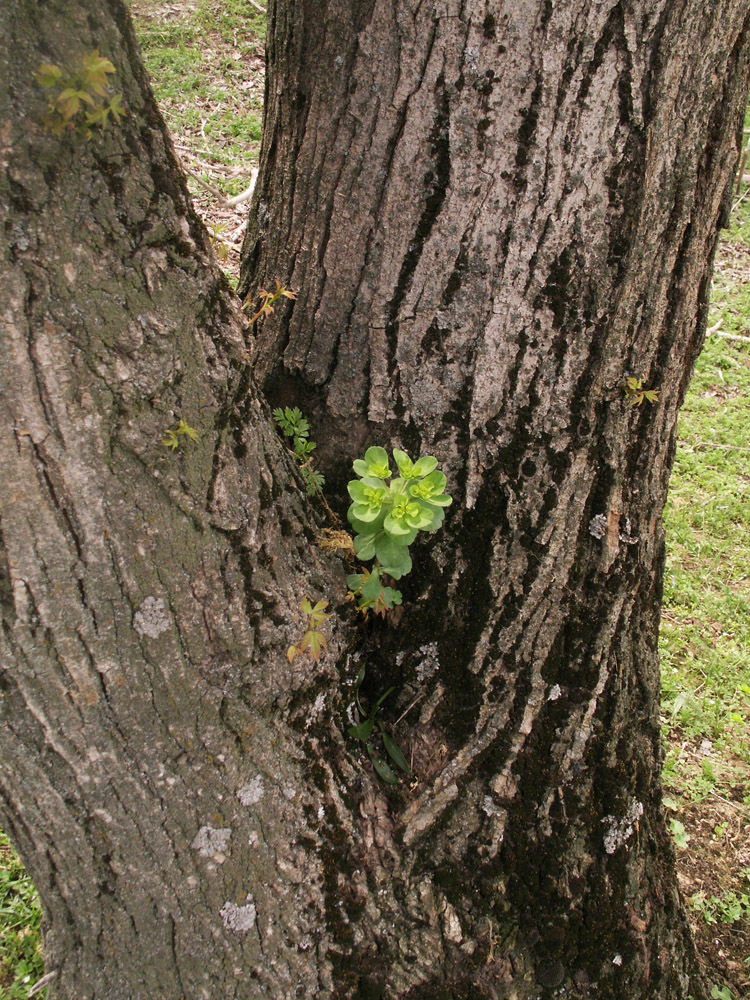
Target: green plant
680 835
727 909
387 516
636 394
20 919
172 436
719 831
220 249
721 993
371 594
83 91
267 300
364 732
294 425
313 641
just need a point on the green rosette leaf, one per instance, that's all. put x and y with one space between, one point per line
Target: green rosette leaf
431 489
413 470
367 527
364 546
368 495
375 464
393 556
405 515
424 466
437 516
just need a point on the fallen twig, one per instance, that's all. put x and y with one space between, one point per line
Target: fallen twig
209 187
41 983
728 801
731 336
247 193
710 444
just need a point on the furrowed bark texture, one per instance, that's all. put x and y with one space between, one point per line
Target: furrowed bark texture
493 214
149 773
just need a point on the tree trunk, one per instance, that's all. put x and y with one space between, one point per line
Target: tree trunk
491 219
493 215
151 727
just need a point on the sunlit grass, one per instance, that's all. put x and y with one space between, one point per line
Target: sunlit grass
200 63
705 635
20 919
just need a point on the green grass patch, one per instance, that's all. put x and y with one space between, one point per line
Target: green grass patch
20 919
705 633
206 69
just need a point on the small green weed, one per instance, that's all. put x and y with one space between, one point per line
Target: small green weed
313 641
79 102
636 394
20 920
220 249
727 909
294 425
680 836
722 993
364 733
172 436
267 300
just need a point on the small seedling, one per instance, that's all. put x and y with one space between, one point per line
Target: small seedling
313 641
220 249
267 300
679 834
727 909
364 731
79 102
721 993
370 593
172 436
635 393
294 425
387 517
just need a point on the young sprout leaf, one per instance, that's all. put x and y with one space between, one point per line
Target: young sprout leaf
394 752
381 699
363 731
381 767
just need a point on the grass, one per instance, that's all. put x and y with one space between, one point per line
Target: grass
705 634
206 61
20 919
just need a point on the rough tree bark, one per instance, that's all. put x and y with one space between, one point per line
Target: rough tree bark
491 215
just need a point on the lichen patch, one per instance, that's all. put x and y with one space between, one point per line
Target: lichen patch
209 841
238 919
151 618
